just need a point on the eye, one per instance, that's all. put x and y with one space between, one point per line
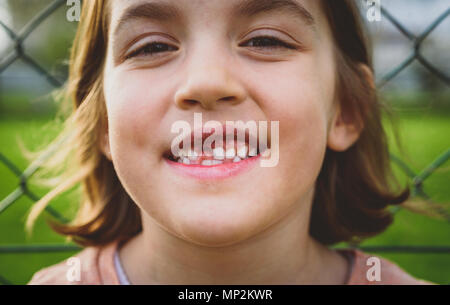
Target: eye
150 49
267 42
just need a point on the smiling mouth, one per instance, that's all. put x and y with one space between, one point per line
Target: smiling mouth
240 149
219 161
214 157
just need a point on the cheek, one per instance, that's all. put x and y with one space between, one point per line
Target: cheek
298 100
135 106
296 93
302 136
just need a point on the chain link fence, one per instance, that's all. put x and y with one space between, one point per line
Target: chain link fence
22 189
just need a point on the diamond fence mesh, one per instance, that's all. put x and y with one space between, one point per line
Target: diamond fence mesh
19 53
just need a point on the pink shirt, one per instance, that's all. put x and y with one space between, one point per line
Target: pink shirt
98 267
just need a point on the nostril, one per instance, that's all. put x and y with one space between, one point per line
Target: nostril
190 102
226 99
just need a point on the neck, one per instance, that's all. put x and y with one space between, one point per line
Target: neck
284 253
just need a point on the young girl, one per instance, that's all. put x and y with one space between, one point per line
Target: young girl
149 217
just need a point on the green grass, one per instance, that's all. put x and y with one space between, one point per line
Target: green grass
424 135
18 268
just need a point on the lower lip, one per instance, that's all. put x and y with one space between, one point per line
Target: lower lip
214 172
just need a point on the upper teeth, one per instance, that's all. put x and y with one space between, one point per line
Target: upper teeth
231 152
242 152
218 154
193 155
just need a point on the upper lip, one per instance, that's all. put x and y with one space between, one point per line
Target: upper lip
226 131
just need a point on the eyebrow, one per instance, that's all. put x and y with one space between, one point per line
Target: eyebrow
157 11
165 12
249 8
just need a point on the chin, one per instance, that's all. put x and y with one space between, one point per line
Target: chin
212 229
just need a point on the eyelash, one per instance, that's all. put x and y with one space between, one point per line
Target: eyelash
148 49
277 42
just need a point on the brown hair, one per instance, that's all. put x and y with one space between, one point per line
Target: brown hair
352 190
354 187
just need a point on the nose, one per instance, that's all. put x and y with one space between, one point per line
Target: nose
209 83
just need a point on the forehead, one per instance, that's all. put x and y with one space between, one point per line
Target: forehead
304 11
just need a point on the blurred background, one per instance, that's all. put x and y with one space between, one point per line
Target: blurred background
414 79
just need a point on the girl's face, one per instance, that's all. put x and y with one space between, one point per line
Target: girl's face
170 59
